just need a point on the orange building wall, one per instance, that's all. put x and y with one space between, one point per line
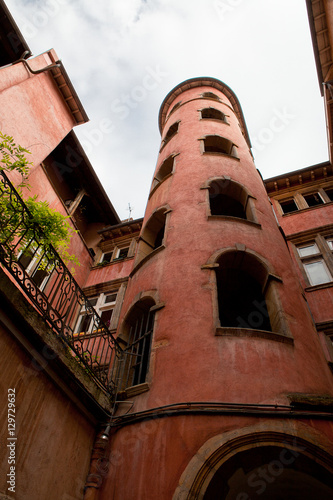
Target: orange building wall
53 438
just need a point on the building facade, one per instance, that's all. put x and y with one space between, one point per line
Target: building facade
190 356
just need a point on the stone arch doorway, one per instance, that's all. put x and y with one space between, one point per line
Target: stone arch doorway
252 464
270 473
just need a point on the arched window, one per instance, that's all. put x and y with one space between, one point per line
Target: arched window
246 297
170 133
135 338
210 95
165 169
213 114
229 198
152 235
176 106
218 144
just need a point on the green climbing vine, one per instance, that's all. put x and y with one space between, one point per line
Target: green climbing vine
55 227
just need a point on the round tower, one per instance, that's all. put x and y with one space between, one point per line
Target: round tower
219 335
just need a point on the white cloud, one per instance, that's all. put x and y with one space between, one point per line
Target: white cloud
260 48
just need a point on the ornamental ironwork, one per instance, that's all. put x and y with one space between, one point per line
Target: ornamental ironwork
51 288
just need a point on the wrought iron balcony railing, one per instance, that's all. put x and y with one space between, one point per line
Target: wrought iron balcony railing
44 278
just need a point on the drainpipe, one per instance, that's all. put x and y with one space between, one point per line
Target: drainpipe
35 71
99 465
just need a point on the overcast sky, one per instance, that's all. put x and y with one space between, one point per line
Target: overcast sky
124 56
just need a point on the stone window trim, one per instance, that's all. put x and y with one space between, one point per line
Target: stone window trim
153 297
218 138
101 305
325 332
146 247
248 202
299 199
200 98
115 286
211 96
319 238
172 131
223 119
270 288
175 107
161 176
109 252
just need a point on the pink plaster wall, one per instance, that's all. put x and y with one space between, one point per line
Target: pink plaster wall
188 362
34 112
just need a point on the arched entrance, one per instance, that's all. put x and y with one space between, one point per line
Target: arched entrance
284 462
270 473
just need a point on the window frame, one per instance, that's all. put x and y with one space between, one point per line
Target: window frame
299 198
223 119
100 306
167 138
269 282
324 255
231 146
158 178
243 197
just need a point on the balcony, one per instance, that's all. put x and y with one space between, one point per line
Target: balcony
40 275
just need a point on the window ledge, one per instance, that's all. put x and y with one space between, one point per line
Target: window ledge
135 390
216 153
234 219
307 209
313 288
217 120
145 259
100 265
248 332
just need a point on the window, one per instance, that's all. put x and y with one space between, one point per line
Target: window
213 114
136 338
288 206
313 199
115 255
229 198
37 265
170 133
103 305
329 193
315 257
217 144
152 236
176 106
165 169
301 201
121 253
106 257
210 95
247 296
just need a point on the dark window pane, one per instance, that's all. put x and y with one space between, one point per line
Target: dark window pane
288 206
313 199
222 204
329 193
106 317
241 301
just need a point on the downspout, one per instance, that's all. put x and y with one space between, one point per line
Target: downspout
99 465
